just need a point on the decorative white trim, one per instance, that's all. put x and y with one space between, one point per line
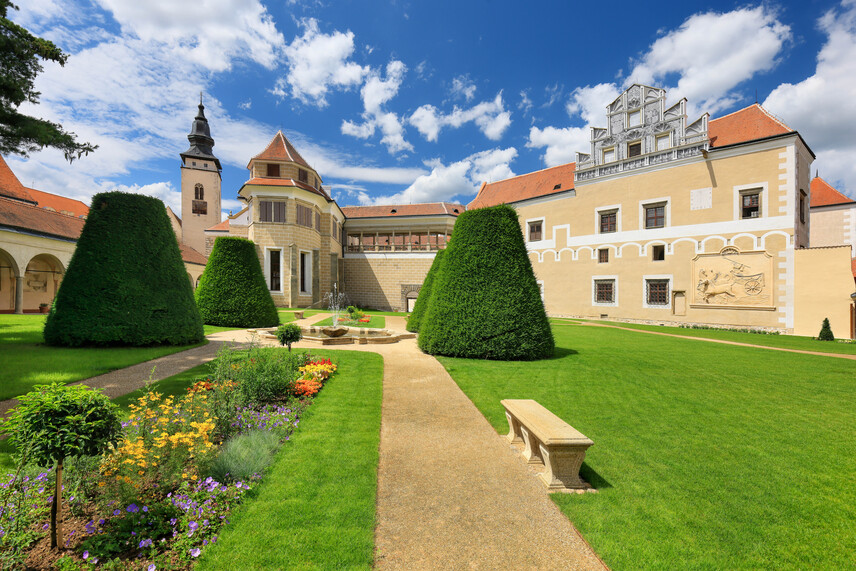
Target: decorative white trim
764 198
653 202
594 301
281 269
668 294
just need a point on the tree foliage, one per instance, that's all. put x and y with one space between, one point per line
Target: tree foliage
126 283
485 301
232 290
289 333
20 55
826 331
424 298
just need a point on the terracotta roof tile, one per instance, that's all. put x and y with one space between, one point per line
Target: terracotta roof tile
192 256
281 149
853 266
748 124
261 181
822 194
10 186
221 227
31 218
398 210
539 183
59 203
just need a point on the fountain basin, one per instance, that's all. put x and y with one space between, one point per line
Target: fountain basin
351 335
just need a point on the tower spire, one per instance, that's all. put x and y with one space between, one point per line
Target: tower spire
201 142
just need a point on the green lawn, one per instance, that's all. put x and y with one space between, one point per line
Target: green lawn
706 456
782 341
376 322
27 362
315 509
286 315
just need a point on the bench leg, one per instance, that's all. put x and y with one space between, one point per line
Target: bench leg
513 435
563 467
532 452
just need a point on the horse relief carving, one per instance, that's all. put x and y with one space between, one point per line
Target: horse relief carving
733 279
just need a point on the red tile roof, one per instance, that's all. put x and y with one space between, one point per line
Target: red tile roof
59 203
822 194
192 256
853 266
221 227
532 185
280 149
263 181
10 186
398 210
31 218
748 124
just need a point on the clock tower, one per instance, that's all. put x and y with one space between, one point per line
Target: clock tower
200 184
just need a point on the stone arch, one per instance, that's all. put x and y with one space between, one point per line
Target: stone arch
42 279
198 192
8 273
409 292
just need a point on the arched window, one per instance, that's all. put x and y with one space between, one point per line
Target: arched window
199 192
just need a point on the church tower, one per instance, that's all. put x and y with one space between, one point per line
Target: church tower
200 184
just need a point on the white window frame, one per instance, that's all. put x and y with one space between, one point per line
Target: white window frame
641 148
594 280
643 204
281 269
645 279
763 196
629 124
603 210
660 137
543 229
603 155
301 291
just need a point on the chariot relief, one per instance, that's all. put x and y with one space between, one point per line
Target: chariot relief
733 278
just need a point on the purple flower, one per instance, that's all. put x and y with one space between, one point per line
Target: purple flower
145 509
86 555
133 508
116 512
193 525
151 567
195 552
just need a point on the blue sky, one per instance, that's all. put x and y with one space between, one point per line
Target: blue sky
397 102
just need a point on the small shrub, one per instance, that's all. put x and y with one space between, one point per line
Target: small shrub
288 334
245 455
826 331
264 376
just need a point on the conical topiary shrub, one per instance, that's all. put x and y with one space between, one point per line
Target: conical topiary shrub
423 300
232 290
485 302
826 331
126 283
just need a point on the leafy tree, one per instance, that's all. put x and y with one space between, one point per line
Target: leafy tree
126 283
55 422
415 319
288 334
20 52
485 301
826 331
232 291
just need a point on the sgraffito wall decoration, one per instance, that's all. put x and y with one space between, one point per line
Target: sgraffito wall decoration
733 278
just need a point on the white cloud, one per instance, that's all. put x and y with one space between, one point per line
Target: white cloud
490 116
463 88
458 180
317 63
376 92
525 104
713 53
821 107
554 93
561 144
590 102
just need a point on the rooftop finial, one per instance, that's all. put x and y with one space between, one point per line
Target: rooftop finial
200 98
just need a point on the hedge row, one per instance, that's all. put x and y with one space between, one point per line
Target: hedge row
416 316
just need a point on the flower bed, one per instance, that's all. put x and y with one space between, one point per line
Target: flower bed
152 501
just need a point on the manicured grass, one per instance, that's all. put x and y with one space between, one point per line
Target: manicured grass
209 329
781 341
706 456
288 313
315 509
27 362
376 322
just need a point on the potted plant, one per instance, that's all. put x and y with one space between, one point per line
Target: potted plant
44 307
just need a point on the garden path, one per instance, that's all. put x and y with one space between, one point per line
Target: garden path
452 494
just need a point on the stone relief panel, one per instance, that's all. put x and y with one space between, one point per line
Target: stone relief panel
733 279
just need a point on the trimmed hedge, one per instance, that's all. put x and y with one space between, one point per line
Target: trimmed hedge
126 283
424 298
485 301
232 290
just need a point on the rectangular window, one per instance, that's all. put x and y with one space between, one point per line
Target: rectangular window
316 182
604 291
317 221
305 272
279 212
265 211
275 274
802 206
608 155
662 142
199 207
608 221
655 216
534 231
658 253
272 170
634 149
303 176
657 292
634 118
603 255
304 216
750 205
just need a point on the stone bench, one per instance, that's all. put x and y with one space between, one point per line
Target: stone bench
548 440
298 315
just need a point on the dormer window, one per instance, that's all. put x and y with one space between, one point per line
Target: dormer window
634 149
609 155
393 211
634 118
272 170
303 176
558 186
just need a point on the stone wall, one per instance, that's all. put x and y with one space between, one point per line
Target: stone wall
382 281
